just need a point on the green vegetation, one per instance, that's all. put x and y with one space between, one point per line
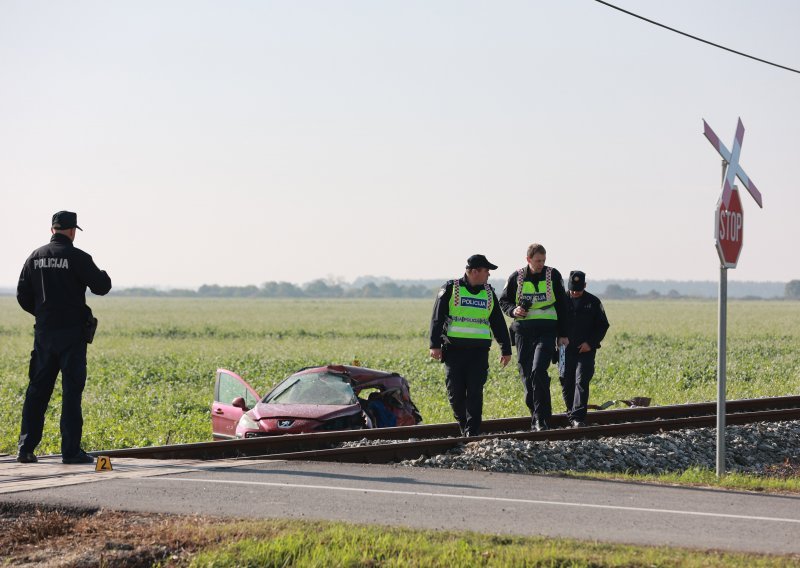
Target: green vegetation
781 479
297 543
152 364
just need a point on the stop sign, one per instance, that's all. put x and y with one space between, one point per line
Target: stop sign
729 229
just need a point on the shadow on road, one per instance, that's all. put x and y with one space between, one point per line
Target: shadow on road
329 475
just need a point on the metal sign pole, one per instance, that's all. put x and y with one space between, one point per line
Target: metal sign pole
721 367
722 323
729 218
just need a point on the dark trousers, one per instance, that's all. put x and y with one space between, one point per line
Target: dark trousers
578 371
53 351
534 353
465 374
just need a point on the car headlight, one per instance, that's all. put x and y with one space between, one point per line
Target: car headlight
247 422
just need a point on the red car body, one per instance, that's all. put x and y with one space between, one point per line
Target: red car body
315 399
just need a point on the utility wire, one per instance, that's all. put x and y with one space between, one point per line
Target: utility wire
697 38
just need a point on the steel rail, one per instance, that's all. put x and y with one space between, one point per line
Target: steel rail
394 452
292 443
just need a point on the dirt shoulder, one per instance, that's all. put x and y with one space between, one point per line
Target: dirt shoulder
35 535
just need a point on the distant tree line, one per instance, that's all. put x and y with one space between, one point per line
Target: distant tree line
387 289
617 292
793 289
314 289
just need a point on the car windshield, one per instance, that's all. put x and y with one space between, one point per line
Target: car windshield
314 388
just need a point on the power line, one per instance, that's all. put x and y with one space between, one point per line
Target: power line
696 38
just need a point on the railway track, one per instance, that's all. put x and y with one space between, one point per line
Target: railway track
411 442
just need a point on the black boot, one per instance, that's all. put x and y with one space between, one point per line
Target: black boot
26 457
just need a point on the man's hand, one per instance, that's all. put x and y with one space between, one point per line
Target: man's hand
584 348
519 312
436 354
563 341
504 359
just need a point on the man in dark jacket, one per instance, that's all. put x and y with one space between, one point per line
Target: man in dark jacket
589 327
535 297
52 287
465 317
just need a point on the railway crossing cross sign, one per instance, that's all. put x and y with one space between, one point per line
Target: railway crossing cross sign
728 235
731 159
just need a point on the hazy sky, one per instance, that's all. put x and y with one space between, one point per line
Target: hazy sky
239 142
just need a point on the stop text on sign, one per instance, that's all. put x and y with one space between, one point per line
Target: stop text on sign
730 225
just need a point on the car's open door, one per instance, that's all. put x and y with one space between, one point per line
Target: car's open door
224 415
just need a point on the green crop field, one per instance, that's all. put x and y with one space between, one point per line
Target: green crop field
151 367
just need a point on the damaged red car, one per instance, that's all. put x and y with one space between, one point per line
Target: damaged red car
314 399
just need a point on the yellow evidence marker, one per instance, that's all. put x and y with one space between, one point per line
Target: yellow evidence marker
103 464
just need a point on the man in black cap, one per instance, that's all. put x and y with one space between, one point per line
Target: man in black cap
52 287
535 297
588 328
466 315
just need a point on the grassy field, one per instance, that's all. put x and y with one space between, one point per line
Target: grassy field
152 364
297 543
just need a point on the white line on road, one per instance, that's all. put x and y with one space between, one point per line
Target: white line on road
480 498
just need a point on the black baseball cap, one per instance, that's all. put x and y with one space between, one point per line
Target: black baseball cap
65 220
479 261
577 280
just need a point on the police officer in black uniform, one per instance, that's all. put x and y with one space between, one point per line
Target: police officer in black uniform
52 287
588 328
465 317
535 297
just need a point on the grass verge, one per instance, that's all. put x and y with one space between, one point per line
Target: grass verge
783 478
296 543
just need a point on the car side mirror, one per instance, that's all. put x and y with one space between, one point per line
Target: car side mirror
238 402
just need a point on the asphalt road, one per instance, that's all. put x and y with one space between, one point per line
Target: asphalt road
457 500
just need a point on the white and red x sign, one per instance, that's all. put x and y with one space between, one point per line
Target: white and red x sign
733 170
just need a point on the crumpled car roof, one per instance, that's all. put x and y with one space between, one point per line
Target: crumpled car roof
394 388
361 376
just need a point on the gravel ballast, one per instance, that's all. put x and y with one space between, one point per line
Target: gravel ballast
749 449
